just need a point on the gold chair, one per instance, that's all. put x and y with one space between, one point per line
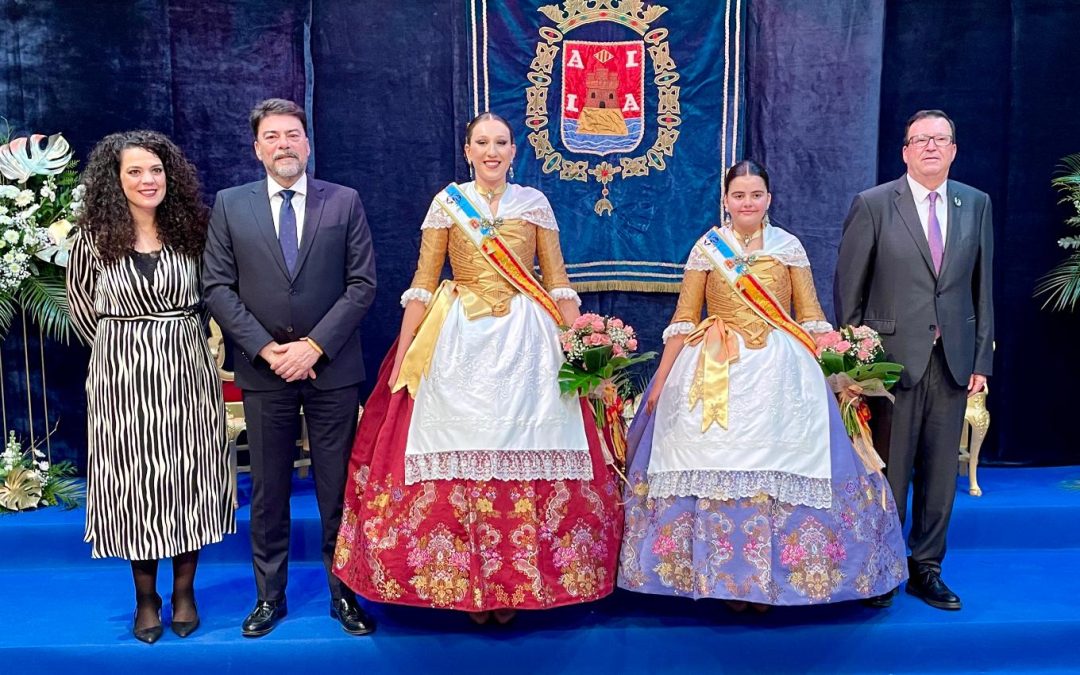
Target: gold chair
976 423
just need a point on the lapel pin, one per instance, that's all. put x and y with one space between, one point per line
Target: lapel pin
956 200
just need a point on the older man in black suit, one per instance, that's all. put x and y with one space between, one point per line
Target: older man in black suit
289 273
915 265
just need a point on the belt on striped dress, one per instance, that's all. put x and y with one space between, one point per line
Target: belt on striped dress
168 315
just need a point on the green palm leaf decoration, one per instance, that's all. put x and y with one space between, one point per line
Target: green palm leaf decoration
1061 286
40 197
7 313
44 297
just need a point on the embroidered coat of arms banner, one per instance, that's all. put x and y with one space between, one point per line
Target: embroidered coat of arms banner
625 114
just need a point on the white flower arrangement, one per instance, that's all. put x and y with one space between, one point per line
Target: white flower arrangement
39 199
28 480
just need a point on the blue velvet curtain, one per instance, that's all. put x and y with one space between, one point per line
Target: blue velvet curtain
828 88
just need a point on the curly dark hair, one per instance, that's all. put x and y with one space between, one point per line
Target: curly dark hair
182 217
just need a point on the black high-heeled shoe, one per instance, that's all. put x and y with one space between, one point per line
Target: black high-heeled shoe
151 634
186 628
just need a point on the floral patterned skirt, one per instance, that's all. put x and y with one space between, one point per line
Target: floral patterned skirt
467 544
759 549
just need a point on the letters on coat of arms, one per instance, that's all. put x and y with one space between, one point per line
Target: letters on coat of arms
602 102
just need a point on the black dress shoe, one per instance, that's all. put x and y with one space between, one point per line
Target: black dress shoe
151 634
353 620
264 617
881 601
927 584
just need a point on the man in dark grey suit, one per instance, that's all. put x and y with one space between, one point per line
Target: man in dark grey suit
915 265
288 273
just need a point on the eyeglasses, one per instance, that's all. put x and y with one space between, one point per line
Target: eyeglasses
923 141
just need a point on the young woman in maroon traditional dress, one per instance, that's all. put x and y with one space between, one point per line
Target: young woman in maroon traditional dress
473 484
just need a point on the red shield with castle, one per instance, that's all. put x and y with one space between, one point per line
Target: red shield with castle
603 96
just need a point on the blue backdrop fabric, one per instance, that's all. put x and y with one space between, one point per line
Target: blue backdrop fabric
686 59
813 76
827 87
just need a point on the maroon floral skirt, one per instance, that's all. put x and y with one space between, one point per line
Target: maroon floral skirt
468 544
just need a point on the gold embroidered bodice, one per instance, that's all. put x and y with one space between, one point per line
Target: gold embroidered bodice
793 287
492 293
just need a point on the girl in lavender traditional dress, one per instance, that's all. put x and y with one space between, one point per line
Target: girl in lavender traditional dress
743 483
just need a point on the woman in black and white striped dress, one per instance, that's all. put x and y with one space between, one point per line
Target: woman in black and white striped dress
158 483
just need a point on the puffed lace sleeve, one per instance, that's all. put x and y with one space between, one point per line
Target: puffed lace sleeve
434 238
803 294
549 252
691 295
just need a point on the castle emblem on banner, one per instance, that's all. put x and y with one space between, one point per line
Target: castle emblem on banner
603 90
602 106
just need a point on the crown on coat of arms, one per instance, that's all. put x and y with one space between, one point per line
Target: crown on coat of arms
633 13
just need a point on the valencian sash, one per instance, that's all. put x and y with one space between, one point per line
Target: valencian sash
720 349
485 237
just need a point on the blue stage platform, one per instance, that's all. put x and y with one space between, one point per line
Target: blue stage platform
1014 558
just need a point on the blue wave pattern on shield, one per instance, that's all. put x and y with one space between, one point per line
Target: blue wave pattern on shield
602 145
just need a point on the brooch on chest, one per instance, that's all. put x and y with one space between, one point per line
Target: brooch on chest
746 260
486 226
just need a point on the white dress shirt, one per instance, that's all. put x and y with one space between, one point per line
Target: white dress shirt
922 205
299 201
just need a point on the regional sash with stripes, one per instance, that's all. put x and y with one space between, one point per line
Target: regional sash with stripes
736 271
484 235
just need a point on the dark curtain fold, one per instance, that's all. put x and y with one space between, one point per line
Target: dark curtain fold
389 123
814 73
225 58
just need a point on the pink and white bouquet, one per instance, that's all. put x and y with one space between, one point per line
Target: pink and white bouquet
853 361
856 345
592 331
599 350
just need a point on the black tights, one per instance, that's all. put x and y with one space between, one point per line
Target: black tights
147 600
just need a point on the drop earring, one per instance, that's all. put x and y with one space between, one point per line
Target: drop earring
471 176
765 220
511 172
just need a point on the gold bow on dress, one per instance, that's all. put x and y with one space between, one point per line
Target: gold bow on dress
417 361
710 386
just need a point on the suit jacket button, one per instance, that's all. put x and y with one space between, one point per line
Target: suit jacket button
288 329
292 291
932 327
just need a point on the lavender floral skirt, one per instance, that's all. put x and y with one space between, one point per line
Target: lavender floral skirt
759 549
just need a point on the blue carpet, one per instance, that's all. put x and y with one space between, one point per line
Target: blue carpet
1014 558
